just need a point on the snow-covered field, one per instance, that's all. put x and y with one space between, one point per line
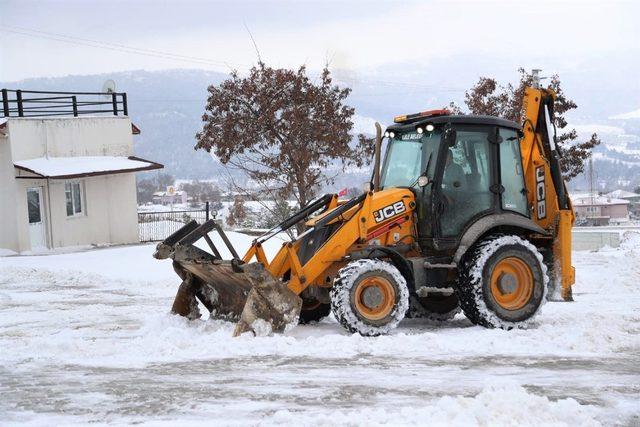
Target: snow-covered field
87 338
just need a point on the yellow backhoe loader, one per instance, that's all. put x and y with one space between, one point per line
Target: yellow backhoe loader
464 212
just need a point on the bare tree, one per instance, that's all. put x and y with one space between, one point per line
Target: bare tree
145 189
201 191
238 213
282 130
487 96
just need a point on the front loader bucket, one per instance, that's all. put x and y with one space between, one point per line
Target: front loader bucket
270 307
229 289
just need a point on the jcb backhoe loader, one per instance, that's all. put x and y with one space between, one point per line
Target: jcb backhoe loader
465 212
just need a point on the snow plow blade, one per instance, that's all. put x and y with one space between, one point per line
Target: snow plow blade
229 289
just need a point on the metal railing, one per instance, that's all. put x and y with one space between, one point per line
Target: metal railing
157 226
38 103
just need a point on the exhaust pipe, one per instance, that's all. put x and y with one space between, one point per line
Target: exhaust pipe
376 161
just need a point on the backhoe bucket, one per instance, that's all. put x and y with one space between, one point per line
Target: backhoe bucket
229 289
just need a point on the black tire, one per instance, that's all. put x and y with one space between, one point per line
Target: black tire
437 308
475 289
313 312
350 281
554 288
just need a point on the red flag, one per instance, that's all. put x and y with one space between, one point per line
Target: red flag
342 192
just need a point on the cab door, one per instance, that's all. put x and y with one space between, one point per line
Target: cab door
514 194
465 187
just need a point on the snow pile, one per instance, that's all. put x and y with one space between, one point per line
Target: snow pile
493 406
7 252
631 242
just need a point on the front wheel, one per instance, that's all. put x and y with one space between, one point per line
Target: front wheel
370 297
502 282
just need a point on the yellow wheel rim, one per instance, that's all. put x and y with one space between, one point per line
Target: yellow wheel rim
512 283
375 297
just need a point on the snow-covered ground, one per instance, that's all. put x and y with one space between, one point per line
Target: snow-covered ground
87 338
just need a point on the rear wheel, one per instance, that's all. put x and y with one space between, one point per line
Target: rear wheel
502 282
370 297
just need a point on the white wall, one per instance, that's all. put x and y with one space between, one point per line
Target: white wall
8 214
594 240
110 212
66 137
110 215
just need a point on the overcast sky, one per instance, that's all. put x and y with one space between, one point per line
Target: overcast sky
55 38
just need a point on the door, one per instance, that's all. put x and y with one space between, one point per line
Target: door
37 227
514 196
466 181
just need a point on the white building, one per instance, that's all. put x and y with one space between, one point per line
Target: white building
170 197
68 182
593 209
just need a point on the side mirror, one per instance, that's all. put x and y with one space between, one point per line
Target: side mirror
450 137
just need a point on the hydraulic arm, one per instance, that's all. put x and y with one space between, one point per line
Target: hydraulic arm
546 189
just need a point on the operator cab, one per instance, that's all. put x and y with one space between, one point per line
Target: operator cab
461 168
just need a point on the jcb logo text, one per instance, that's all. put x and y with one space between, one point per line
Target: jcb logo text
541 194
389 211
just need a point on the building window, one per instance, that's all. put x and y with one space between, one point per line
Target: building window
593 210
74 196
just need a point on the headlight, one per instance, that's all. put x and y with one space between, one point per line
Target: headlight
430 127
423 181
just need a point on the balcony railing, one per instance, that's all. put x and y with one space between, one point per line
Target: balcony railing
38 103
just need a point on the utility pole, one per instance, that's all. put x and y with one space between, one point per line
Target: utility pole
591 181
535 77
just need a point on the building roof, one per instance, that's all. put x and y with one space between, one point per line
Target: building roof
79 167
470 119
166 193
622 194
597 201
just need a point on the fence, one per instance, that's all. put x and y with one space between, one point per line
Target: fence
32 103
157 226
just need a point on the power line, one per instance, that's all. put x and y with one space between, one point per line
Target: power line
29 32
113 46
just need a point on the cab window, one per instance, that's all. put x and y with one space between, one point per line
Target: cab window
402 162
514 197
466 180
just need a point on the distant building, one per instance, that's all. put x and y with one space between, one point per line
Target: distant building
600 210
170 197
632 198
67 174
